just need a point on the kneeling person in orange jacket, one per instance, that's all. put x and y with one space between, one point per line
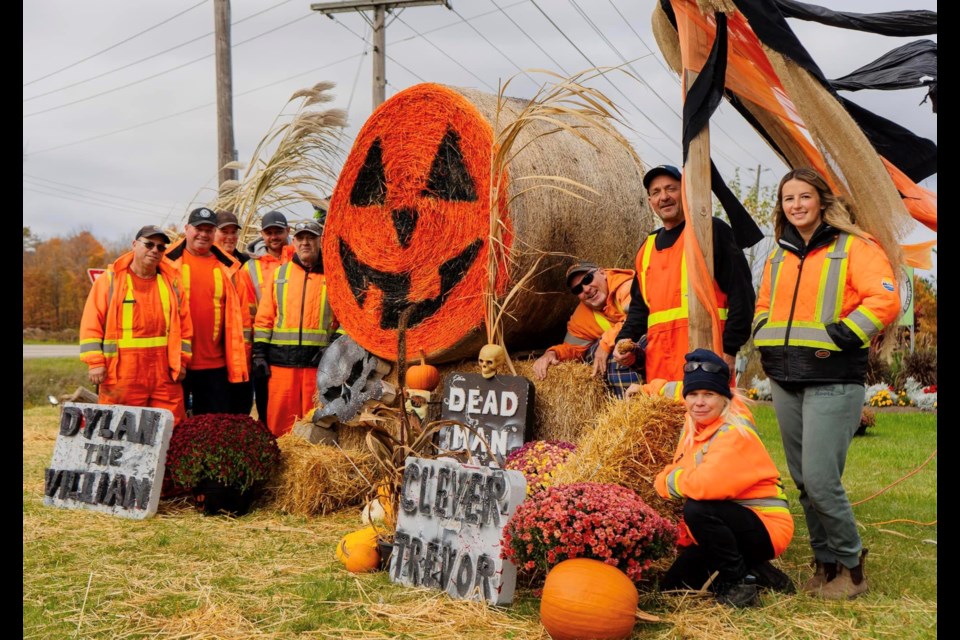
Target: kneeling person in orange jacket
294 325
736 512
136 330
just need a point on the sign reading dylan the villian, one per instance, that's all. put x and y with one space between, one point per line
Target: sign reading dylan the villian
450 529
109 458
499 409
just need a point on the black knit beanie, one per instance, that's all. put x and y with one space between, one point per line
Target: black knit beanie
699 378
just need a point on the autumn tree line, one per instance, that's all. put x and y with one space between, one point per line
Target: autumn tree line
56 284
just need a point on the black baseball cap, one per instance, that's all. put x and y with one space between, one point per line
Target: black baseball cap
202 215
152 230
274 219
580 267
662 170
307 226
225 219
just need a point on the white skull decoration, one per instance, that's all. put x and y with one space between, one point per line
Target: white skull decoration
492 357
418 402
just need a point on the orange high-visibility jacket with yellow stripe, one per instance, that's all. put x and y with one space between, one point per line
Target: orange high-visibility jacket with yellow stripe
662 277
587 325
294 319
238 327
106 328
726 460
261 268
820 304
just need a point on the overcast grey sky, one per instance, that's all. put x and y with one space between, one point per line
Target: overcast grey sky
119 97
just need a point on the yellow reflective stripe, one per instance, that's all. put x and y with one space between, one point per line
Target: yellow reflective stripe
109 348
185 348
164 303
644 263
93 345
599 317
776 261
575 340
279 292
760 317
672 389
864 323
126 315
217 296
256 275
673 486
262 335
127 340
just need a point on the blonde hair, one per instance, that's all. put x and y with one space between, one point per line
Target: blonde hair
735 410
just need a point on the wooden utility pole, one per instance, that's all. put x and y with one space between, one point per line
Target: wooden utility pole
696 172
226 152
378 24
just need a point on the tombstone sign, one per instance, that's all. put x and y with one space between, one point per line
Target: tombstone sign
450 529
500 409
109 458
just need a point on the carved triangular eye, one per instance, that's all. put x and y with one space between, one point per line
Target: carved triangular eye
449 178
371 185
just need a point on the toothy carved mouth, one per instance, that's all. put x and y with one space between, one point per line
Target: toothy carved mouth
396 286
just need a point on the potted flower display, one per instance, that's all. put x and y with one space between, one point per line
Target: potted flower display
222 458
606 522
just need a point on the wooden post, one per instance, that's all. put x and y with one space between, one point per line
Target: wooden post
696 172
379 57
225 144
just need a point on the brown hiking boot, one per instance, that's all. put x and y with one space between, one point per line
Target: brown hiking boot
849 583
824 572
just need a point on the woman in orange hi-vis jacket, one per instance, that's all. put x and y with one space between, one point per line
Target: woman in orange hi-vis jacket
827 289
136 330
736 516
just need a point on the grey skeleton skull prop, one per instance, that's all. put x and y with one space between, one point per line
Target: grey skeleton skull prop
491 359
418 401
349 376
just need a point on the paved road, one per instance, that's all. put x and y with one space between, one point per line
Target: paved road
51 350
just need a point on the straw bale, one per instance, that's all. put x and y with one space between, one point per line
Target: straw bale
632 441
316 479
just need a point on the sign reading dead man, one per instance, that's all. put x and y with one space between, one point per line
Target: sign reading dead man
499 408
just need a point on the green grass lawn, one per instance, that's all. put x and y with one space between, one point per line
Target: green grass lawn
44 377
271 575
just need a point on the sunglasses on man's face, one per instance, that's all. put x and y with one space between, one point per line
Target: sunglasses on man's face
709 367
577 289
151 245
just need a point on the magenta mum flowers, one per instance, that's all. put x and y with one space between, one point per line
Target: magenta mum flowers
606 522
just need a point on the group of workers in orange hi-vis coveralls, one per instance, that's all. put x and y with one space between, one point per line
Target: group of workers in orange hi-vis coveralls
222 329
136 330
274 234
293 326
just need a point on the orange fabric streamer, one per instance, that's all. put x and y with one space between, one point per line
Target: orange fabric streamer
918 255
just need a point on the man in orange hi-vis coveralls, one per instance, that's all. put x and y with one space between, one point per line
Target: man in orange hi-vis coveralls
219 312
135 332
294 325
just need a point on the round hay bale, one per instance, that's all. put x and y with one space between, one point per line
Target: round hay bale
317 479
409 224
632 441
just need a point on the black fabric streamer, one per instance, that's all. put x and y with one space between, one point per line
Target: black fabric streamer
911 66
889 23
702 100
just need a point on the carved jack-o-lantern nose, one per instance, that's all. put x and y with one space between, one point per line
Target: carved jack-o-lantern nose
407 227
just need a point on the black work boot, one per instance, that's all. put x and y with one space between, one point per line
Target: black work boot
770 577
742 593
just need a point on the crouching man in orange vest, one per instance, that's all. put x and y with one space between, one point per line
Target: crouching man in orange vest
136 330
604 296
294 325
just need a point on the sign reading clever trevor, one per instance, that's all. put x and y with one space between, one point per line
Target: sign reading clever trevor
450 529
109 458
499 408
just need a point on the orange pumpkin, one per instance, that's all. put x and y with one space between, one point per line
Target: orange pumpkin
585 599
409 223
358 551
423 376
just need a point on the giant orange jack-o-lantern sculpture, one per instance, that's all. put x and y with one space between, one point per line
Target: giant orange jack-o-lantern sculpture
409 225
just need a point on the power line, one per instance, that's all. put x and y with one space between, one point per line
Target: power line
535 43
191 109
150 57
505 56
41 180
451 58
146 214
393 60
156 75
136 35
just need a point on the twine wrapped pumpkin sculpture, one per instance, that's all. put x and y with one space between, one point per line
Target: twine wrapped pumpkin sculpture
409 224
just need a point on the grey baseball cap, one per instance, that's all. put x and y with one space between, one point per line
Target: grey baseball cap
274 219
